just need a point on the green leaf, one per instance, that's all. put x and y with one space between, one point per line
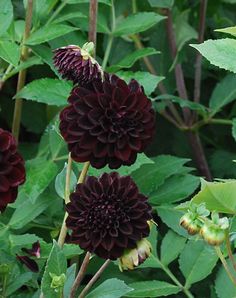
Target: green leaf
39 174
107 2
129 60
10 52
6 15
228 30
223 94
161 3
60 182
218 196
70 277
71 250
27 211
170 241
150 176
223 285
69 16
171 217
183 103
146 79
234 129
197 261
220 52
138 22
111 288
18 282
22 240
45 53
49 32
56 264
221 163
174 189
49 91
152 288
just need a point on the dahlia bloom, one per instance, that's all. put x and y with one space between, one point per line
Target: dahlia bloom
76 64
107 122
108 215
12 171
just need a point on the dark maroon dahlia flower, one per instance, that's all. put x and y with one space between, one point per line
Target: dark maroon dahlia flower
12 171
76 64
108 122
108 215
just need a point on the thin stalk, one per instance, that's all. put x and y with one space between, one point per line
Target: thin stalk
22 73
111 37
56 12
84 172
93 8
63 231
224 263
134 6
94 279
201 123
174 279
198 63
80 275
229 250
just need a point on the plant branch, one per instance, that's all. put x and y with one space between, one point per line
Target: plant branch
229 250
22 73
63 231
56 12
94 279
198 63
80 275
93 8
224 263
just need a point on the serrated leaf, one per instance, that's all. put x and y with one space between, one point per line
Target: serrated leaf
49 91
27 211
69 16
49 32
171 217
228 30
22 240
170 241
57 265
60 182
10 52
149 177
223 94
6 15
138 22
174 189
220 52
197 261
111 288
39 174
153 288
161 3
129 60
218 196
223 285
146 79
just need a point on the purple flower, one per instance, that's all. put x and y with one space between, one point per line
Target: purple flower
29 263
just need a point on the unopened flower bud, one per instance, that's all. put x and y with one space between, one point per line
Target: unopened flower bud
190 223
213 234
58 281
136 256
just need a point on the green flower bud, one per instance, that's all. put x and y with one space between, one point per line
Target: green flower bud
136 256
190 223
58 281
213 234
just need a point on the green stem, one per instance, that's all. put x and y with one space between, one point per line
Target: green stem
229 250
203 122
56 12
174 279
111 37
22 73
63 231
224 263
134 6
80 275
94 279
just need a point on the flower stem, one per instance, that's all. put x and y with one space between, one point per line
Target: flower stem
63 231
22 73
56 12
224 263
94 279
80 275
93 9
174 279
229 250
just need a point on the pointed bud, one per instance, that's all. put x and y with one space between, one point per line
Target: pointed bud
134 257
